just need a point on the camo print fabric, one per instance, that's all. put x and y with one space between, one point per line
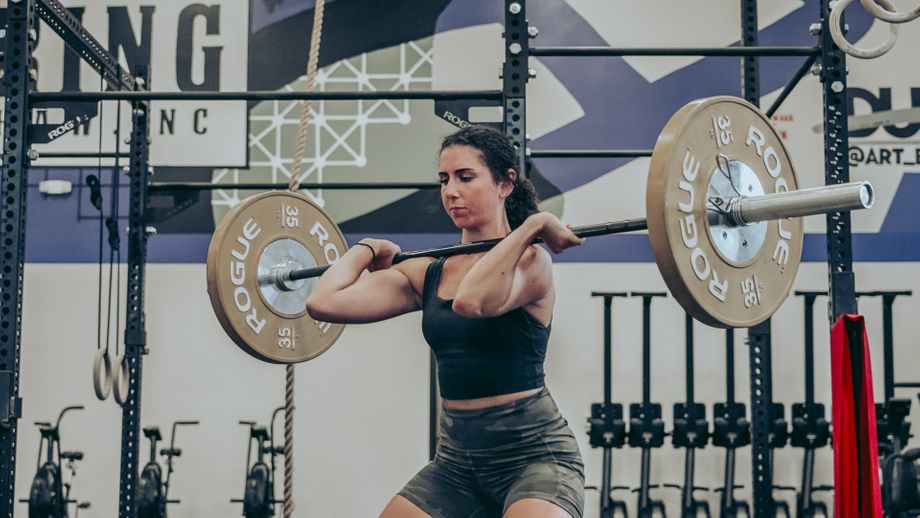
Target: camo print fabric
487 459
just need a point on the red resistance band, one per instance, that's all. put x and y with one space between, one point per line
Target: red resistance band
856 478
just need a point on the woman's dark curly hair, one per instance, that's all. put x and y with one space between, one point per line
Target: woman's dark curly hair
499 155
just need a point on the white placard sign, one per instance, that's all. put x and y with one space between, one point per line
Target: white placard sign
191 46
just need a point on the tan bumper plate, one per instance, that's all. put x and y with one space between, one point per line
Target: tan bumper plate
723 275
265 235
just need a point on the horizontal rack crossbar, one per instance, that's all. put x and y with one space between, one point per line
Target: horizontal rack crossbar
589 153
674 51
79 154
443 95
205 186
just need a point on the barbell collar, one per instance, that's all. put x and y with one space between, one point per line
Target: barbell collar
738 211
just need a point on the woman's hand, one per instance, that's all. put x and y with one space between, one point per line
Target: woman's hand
384 252
556 235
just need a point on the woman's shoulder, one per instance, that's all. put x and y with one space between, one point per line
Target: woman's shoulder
414 270
538 258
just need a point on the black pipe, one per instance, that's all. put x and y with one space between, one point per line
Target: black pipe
608 353
888 341
730 366
271 95
607 504
207 186
809 300
613 227
887 336
728 485
646 350
809 349
689 505
688 340
670 51
432 406
607 463
75 154
589 153
645 505
805 504
799 74
647 342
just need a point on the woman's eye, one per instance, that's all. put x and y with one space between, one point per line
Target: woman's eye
442 180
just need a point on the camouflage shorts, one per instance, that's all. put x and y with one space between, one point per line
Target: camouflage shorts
487 459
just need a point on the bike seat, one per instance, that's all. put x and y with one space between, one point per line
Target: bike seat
153 433
72 455
171 452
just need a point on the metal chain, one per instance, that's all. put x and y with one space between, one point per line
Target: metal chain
312 64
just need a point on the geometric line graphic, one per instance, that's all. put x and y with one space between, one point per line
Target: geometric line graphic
337 135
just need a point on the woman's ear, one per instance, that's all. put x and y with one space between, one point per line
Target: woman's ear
507 184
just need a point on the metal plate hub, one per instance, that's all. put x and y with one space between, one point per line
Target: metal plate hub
738 245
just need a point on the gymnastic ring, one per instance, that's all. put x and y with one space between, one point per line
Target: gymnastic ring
846 46
121 383
102 374
888 14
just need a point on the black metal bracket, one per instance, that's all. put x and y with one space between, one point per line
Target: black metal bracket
457 111
18 80
135 333
841 281
76 114
646 428
691 429
730 429
83 43
10 405
606 427
515 73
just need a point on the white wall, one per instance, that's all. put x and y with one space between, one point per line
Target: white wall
361 420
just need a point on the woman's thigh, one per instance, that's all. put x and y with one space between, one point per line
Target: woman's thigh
400 507
535 508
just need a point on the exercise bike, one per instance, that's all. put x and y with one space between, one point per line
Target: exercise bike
49 496
259 493
152 489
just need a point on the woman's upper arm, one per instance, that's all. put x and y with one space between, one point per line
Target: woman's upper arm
533 280
373 297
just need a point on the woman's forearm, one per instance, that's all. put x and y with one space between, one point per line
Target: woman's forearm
488 284
344 272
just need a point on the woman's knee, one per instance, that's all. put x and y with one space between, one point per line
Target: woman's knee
400 507
535 508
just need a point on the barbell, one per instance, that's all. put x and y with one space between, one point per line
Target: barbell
723 218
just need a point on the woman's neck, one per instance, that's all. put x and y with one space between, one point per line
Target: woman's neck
497 230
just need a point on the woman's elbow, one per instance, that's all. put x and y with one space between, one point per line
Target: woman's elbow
471 308
318 310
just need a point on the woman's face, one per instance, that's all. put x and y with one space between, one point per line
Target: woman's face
470 196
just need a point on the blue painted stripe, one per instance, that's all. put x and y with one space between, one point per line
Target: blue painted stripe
52 246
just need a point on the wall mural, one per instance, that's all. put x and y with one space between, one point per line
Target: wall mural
573 103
